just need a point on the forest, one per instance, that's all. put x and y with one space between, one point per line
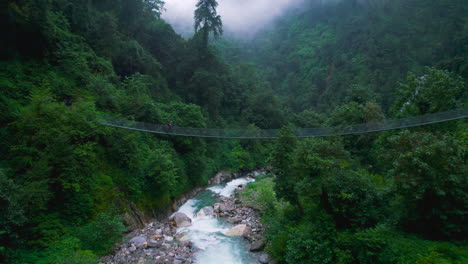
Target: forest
67 183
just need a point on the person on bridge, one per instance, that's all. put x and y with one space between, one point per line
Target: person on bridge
169 127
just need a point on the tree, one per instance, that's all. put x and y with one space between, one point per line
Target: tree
313 160
207 20
430 173
154 7
282 158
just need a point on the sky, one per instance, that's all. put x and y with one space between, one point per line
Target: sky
240 17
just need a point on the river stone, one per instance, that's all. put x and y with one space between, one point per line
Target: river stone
224 208
183 238
138 241
185 243
132 249
181 219
154 244
239 230
257 246
235 220
206 211
264 258
216 207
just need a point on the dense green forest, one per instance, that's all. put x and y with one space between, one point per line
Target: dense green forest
393 197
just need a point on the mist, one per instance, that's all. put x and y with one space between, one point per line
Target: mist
241 18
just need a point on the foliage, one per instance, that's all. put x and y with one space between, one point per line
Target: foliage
65 251
430 173
100 234
310 243
12 214
260 195
314 160
435 91
282 158
354 201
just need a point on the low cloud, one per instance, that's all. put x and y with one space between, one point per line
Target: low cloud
240 17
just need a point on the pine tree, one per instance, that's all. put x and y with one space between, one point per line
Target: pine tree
207 20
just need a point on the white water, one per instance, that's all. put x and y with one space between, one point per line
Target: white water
230 187
207 232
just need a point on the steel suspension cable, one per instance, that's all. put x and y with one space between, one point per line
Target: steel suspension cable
385 125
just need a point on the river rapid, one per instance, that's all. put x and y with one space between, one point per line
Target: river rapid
207 232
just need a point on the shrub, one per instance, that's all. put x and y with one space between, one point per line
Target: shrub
101 234
310 243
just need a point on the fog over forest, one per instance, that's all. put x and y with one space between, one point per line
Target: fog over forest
240 17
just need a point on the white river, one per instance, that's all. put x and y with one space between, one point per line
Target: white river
207 232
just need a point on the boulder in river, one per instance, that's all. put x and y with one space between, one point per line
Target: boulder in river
206 211
239 230
181 219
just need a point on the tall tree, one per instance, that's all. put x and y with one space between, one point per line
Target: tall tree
207 20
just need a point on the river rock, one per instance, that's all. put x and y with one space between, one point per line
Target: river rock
206 211
154 244
138 241
183 238
132 249
221 177
216 207
224 208
185 243
257 246
235 220
264 258
239 230
181 219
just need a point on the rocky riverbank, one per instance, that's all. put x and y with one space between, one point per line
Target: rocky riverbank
156 243
159 241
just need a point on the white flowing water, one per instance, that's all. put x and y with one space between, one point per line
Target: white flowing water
207 232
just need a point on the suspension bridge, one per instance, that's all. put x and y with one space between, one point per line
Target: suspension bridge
380 126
